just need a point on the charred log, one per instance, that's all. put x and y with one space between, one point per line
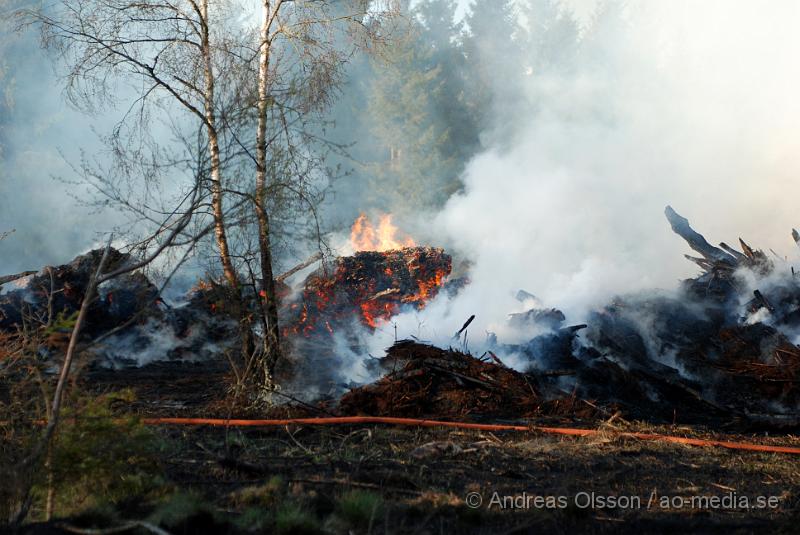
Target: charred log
680 225
724 258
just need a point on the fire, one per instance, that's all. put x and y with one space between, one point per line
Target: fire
372 286
365 237
428 288
374 312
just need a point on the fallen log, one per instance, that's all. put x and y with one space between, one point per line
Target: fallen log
299 267
680 225
11 278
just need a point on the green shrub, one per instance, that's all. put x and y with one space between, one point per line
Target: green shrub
291 518
360 508
100 458
265 495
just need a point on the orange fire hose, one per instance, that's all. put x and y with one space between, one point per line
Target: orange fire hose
464 425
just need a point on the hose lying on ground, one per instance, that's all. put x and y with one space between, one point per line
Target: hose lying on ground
343 420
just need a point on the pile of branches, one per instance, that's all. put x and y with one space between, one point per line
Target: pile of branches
39 297
716 351
127 323
423 380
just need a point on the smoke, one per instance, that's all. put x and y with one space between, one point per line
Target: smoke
41 139
692 104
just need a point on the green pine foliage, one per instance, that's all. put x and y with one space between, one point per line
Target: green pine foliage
447 89
101 459
419 114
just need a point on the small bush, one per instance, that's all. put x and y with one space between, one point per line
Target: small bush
24 395
360 508
265 495
99 458
291 518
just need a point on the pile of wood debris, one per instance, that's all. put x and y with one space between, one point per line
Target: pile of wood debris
720 349
423 380
708 353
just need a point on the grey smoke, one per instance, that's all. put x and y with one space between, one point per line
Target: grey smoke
41 138
691 104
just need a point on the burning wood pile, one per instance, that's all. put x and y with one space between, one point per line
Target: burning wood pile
127 325
720 349
41 297
342 301
373 284
705 354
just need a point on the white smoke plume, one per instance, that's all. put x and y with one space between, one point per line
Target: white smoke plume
692 104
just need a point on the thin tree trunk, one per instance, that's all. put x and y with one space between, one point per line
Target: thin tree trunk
213 148
88 297
220 230
51 489
272 343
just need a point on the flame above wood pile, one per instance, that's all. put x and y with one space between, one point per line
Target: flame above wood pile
385 237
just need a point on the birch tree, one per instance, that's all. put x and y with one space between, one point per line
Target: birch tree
240 90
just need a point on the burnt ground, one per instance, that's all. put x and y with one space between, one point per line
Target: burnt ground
165 388
425 476
419 480
380 479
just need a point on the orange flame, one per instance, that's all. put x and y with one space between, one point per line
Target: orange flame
365 237
375 312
